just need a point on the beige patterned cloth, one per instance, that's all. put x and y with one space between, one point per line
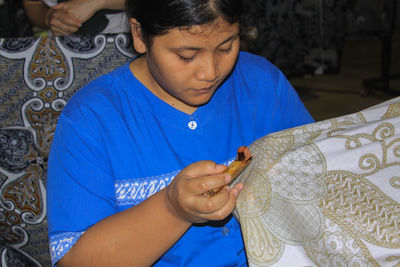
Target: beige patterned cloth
325 194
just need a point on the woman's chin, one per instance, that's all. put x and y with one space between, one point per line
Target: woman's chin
198 101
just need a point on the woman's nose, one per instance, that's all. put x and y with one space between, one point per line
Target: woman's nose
208 70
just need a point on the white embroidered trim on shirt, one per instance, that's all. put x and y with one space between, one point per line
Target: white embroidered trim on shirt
134 191
61 243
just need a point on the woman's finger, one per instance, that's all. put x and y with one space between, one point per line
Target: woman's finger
208 205
229 205
201 185
203 168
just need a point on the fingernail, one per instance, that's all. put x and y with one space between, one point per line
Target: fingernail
228 178
240 187
219 167
235 193
237 189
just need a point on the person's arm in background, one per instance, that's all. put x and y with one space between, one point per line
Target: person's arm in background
85 9
67 17
58 21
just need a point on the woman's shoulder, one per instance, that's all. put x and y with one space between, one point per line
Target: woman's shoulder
256 68
100 92
248 59
252 63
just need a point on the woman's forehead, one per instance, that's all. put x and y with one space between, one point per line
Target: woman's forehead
210 34
217 25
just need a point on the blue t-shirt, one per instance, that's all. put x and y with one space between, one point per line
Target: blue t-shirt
116 144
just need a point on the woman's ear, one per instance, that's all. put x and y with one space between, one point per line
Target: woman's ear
138 42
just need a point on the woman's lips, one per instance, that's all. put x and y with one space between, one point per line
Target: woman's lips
205 90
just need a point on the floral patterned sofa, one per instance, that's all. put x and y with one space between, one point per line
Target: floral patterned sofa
38 76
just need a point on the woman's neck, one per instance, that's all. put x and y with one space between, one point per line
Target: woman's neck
141 71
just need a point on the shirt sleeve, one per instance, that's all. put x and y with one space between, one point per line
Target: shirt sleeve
80 187
278 105
294 113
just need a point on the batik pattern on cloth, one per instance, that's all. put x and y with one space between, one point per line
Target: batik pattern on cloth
325 194
39 75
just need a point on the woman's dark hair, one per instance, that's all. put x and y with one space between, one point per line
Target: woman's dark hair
158 16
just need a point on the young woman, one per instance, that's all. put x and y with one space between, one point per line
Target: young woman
135 149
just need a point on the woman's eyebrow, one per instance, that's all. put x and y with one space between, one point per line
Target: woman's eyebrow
231 38
194 48
186 48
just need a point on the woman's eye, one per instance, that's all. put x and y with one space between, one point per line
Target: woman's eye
186 59
226 50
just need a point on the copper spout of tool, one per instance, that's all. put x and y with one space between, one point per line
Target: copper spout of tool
242 160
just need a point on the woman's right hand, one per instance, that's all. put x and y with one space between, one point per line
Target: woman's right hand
186 196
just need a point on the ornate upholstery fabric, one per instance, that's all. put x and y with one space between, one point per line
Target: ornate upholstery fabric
38 76
325 194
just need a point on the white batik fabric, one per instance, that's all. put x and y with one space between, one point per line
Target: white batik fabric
325 194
